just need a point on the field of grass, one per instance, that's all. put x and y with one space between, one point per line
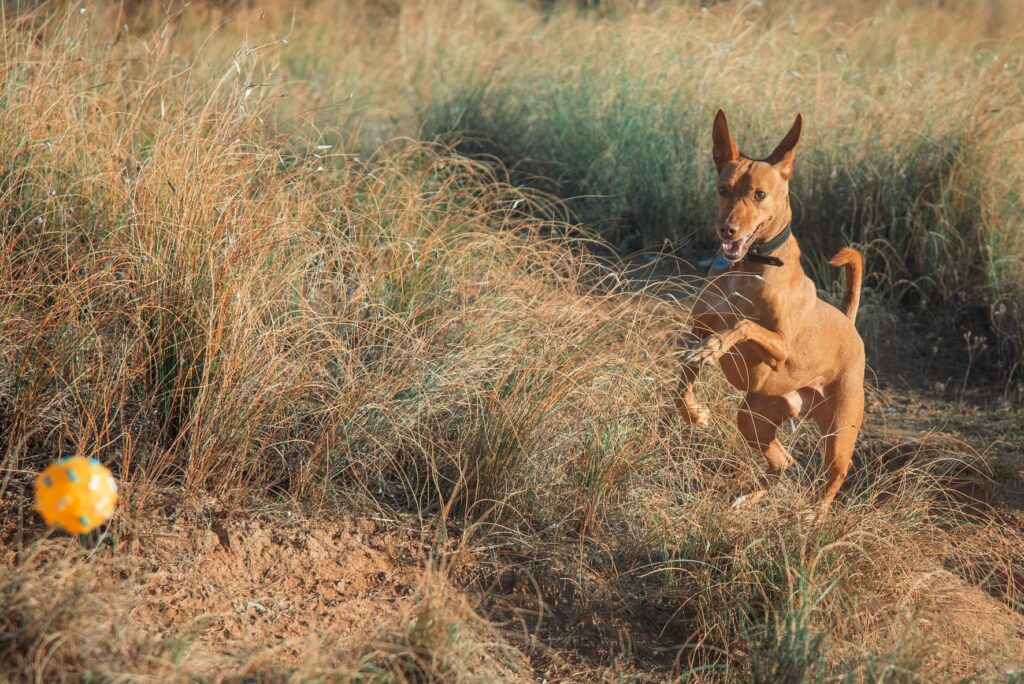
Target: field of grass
327 288
914 145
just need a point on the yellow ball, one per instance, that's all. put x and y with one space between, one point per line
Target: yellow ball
77 494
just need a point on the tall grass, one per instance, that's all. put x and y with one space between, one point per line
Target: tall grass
216 296
225 312
912 148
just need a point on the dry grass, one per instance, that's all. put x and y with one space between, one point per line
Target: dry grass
912 148
64 620
219 296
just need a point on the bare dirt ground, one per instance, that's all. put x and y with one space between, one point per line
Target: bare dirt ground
272 581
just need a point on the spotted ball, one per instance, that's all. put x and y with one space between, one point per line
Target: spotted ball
76 494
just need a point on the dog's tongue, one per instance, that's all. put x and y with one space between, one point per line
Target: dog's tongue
731 247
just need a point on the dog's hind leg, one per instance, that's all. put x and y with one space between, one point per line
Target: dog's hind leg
758 421
840 429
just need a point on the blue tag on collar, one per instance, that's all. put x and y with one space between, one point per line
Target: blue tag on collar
720 263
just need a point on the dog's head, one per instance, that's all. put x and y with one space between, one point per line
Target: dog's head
753 194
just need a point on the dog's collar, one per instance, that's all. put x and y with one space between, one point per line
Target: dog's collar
761 252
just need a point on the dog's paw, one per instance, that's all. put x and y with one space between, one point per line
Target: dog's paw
695 414
814 515
809 516
708 352
747 499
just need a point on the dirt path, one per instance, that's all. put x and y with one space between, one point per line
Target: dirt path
981 614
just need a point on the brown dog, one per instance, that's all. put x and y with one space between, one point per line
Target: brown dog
759 317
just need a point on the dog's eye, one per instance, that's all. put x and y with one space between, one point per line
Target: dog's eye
721 190
760 195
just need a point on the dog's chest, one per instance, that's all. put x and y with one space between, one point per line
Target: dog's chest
735 295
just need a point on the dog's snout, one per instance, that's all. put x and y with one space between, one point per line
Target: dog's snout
728 230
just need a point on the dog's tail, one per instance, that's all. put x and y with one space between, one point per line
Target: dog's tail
853 263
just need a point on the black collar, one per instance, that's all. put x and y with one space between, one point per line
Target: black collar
761 252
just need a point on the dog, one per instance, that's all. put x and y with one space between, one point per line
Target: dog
759 318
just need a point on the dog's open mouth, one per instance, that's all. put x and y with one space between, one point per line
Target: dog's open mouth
735 250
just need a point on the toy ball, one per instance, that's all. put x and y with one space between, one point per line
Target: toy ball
77 494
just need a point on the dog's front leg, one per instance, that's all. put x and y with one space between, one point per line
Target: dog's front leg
771 345
686 404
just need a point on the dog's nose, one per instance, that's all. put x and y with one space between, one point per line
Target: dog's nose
727 230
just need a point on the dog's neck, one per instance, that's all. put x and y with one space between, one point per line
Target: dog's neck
788 252
778 223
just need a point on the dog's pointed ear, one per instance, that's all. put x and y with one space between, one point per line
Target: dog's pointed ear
783 156
724 149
